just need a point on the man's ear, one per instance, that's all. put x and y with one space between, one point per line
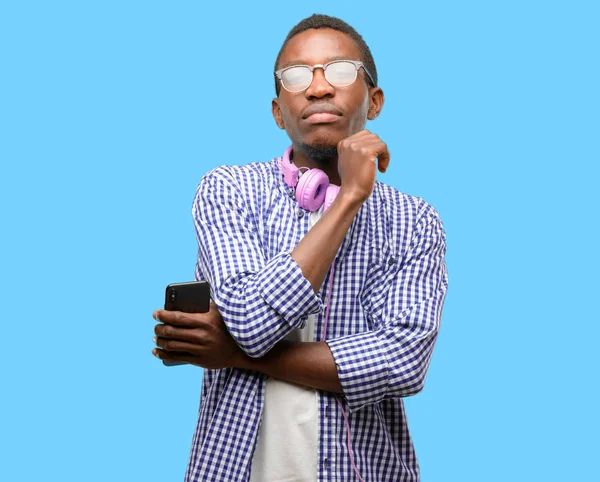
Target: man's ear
376 100
277 113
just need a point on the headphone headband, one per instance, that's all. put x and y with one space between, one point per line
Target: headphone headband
290 172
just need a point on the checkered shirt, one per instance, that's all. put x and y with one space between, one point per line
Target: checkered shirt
389 286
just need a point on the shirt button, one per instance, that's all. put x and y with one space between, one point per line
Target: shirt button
291 193
391 261
327 463
300 213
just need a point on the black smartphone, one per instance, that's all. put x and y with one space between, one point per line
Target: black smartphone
189 297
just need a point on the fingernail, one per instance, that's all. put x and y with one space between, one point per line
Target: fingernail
154 340
155 315
155 352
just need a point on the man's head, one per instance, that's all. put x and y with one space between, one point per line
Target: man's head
318 40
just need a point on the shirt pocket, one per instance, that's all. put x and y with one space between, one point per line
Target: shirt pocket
381 268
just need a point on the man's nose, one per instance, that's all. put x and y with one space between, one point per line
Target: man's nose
319 87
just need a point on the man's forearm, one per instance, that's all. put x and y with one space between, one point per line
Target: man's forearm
309 364
317 249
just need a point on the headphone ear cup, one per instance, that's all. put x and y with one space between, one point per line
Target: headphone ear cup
311 189
330 194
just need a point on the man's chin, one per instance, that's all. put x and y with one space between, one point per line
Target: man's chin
321 153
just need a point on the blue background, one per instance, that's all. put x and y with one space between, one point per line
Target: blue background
110 112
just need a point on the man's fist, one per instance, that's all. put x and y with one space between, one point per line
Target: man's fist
357 158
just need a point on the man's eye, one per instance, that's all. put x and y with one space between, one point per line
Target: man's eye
296 76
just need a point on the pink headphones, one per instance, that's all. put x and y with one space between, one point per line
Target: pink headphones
313 188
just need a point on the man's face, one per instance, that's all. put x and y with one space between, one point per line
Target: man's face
319 46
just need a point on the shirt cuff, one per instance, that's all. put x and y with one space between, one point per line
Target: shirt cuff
283 287
362 368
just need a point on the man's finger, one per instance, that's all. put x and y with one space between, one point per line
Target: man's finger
383 156
178 333
384 160
177 346
175 356
177 318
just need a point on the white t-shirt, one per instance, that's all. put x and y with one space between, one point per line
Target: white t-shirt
286 447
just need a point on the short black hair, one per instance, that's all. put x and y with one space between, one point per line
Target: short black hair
325 21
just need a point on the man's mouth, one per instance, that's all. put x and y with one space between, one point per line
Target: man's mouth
321 113
321 118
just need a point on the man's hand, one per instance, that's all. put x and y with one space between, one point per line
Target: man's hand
357 159
200 339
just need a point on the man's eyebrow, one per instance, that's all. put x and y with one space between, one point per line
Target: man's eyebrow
305 62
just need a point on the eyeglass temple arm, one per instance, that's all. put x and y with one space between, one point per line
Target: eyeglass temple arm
368 73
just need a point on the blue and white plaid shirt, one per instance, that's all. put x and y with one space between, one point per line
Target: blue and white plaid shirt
388 292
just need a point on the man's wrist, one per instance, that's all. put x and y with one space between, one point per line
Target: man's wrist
245 362
259 364
350 198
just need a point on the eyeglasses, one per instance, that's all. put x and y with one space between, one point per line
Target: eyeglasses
339 73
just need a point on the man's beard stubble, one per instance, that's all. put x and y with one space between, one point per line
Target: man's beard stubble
320 154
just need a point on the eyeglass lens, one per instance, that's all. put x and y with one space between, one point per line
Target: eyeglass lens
338 74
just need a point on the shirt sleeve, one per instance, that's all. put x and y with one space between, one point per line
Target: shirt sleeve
392 360
260 299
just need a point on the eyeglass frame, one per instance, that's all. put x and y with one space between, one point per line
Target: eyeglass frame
357 64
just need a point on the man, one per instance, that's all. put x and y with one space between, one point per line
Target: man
325 313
